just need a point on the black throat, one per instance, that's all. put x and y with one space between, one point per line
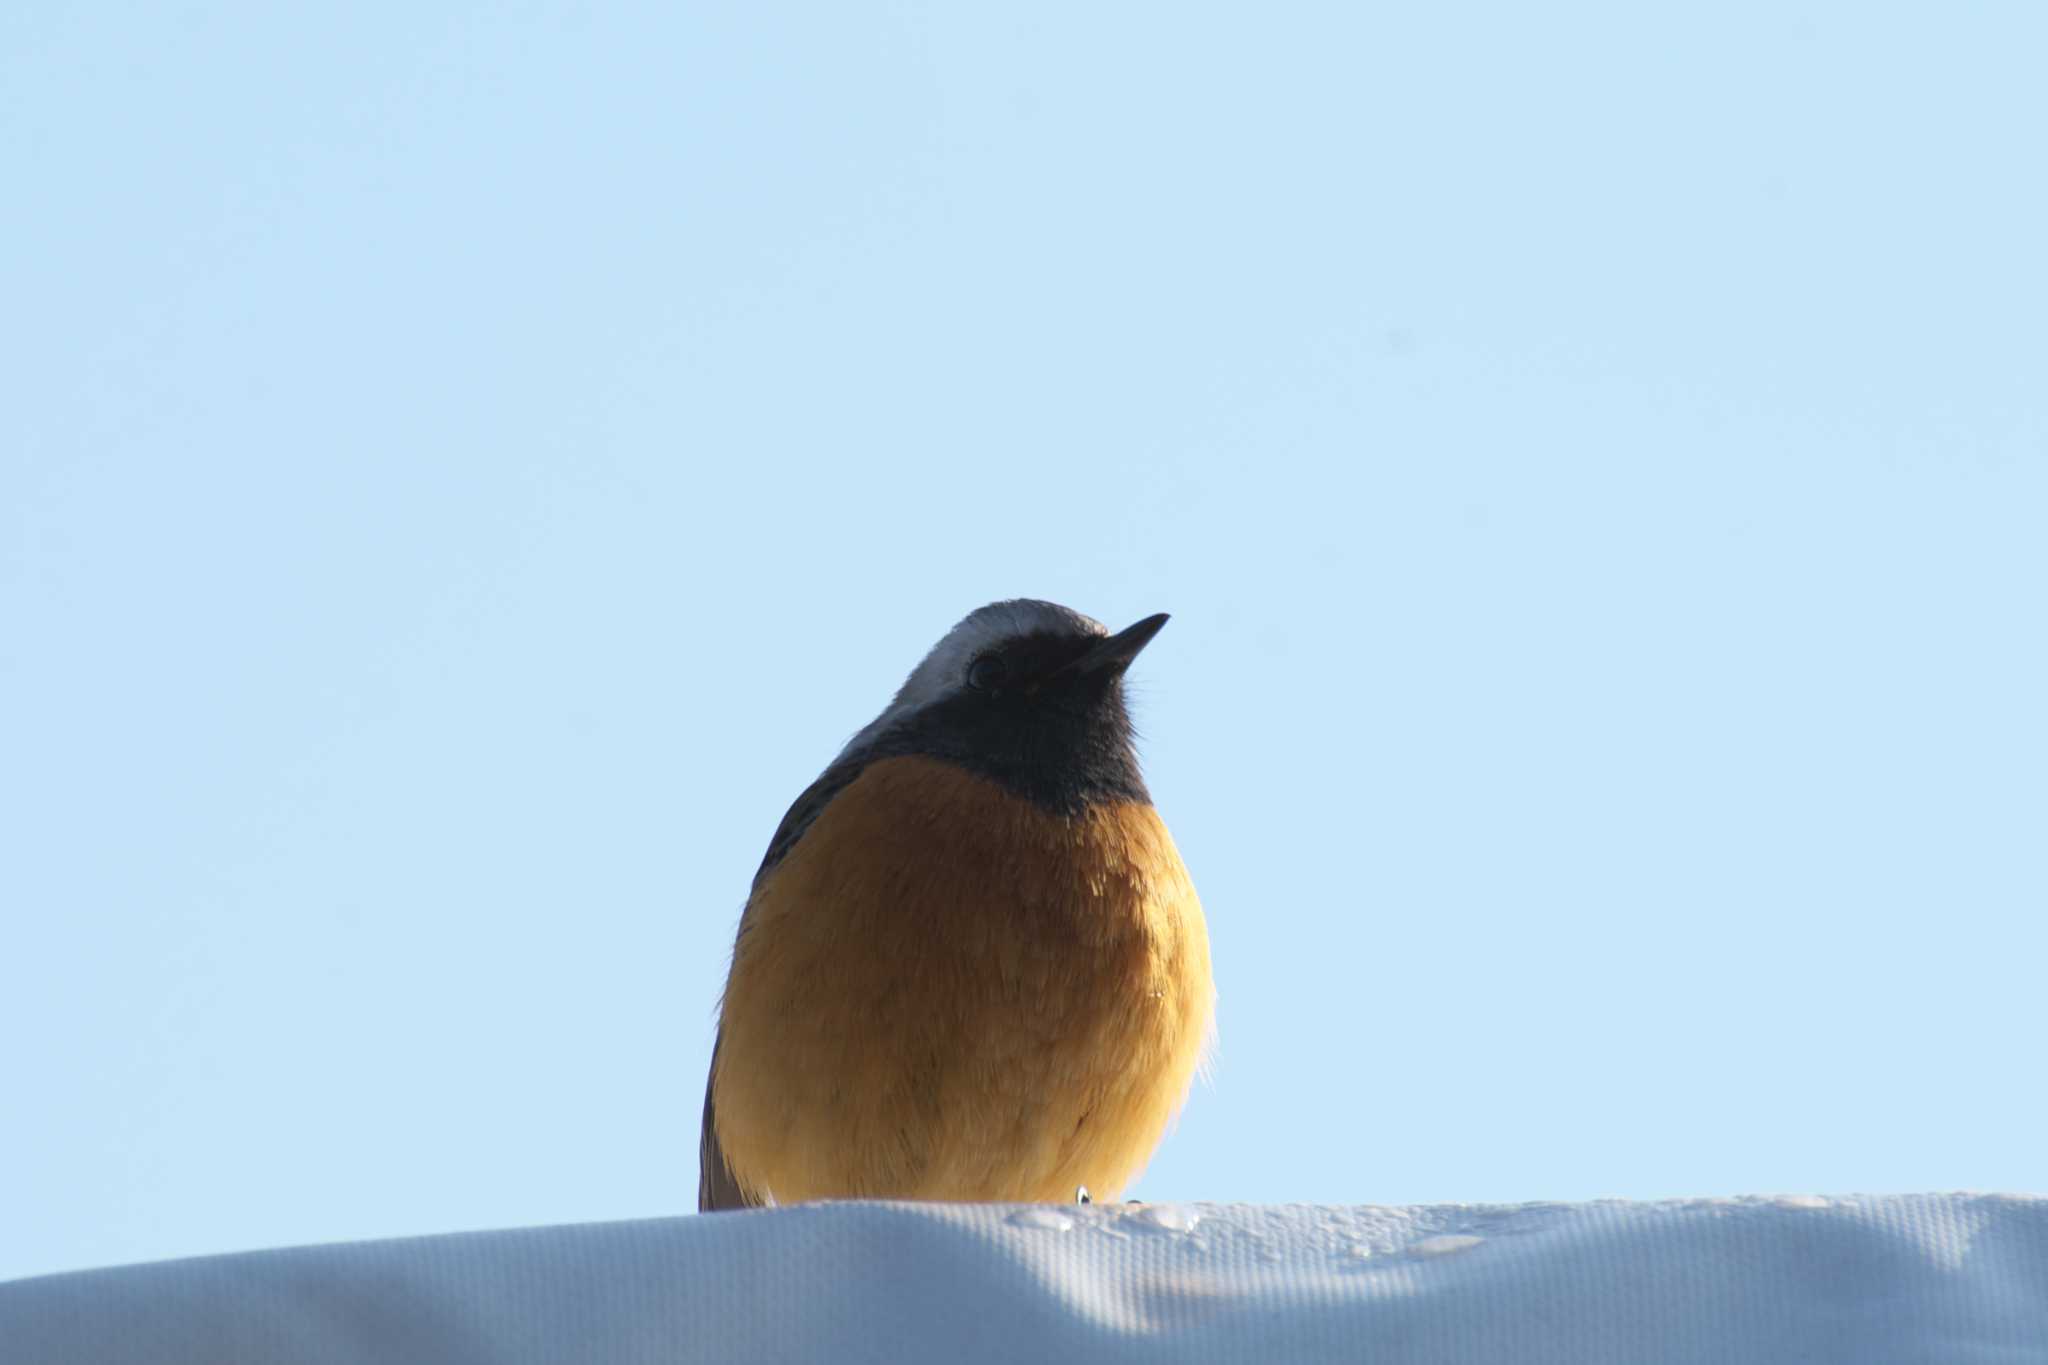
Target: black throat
1056 737
1062 753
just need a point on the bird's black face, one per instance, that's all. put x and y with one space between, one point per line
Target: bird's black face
1039 670
1070 668
1041 713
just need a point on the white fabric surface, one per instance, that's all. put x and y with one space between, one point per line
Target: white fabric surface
1952 1278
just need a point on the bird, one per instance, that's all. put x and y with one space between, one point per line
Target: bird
972 966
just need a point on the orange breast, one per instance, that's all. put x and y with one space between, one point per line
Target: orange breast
944 992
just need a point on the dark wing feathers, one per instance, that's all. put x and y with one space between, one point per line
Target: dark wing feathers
803 811
716 1188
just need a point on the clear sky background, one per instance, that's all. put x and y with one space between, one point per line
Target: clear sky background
463 469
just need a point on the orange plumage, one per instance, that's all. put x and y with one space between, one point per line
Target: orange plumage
944 992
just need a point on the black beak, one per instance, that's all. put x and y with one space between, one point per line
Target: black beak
1118 650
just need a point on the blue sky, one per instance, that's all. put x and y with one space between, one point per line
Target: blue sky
463 471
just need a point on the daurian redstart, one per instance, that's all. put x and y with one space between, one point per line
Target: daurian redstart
972 966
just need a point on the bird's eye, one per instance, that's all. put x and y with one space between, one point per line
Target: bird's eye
987 673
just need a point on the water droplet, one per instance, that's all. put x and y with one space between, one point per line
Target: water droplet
1168 1217
1446 1244
1045 1219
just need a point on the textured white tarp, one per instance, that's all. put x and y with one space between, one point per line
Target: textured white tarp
1952 1278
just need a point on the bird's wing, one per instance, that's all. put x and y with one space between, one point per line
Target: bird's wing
803 811
716 1188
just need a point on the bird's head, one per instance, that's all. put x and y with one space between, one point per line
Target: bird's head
1028 692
